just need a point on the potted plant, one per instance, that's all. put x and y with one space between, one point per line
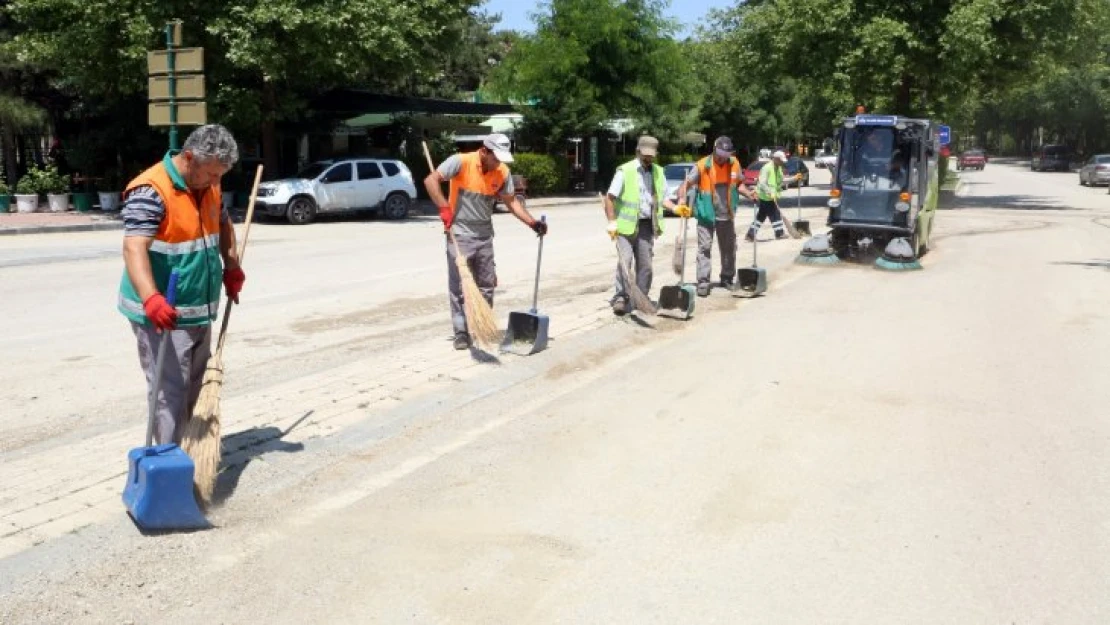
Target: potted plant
5 197
110 198
27 192
56 188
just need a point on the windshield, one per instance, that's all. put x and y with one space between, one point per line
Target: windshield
676 172
312 171
871 157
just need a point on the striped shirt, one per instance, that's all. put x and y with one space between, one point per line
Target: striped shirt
143 211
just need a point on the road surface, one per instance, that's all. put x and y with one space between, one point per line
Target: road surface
857 446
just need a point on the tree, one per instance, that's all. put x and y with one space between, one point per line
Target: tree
592 60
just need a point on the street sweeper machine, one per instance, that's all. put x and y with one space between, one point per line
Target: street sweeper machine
884 194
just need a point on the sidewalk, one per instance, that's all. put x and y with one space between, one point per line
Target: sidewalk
69 221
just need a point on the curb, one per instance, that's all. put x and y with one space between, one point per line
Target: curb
61 229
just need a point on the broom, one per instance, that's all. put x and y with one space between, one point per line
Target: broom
639 301
202 433
480 320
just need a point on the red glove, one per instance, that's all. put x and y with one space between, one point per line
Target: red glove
160 313
447 216
233 282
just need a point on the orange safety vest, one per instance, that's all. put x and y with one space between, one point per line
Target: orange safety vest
473 195
713 174
188 240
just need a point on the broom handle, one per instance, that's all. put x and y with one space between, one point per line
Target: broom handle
432 168
539 258
242 254
799 200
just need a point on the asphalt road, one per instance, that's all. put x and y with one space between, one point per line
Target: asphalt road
857 446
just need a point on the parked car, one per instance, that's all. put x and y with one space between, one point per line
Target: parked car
1095 171
675 173
1054 157
824 160
795 165
751 173
971 159
384 186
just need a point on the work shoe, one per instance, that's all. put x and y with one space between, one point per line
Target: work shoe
780 235
749 238
703 290
729 285
462 341
620 307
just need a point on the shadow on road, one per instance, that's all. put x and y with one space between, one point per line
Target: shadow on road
1009 202
240 448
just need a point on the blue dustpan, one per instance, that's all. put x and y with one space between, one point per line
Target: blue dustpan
159 490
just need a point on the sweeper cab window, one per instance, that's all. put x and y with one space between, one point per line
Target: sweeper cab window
874 156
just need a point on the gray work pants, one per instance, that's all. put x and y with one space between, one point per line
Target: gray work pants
726 242
182 374
638 246
479 257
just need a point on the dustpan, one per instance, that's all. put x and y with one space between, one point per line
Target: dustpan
679 297
527 331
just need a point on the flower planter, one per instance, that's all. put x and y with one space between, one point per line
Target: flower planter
109 201
5 203
83 202
58 202
26 203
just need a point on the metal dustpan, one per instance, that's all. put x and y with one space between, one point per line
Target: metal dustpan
527 332
159 490
752 280
801 225
679 297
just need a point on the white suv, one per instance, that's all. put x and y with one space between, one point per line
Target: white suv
381 185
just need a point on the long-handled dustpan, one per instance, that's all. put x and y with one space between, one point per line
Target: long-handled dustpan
801 225
753 280
159 489
527 333
679 297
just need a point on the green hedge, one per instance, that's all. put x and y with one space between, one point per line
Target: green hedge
546 174
942 168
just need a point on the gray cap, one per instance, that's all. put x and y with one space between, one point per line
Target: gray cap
648 146
500 145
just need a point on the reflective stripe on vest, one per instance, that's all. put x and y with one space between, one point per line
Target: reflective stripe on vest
628 204
473 195
188 240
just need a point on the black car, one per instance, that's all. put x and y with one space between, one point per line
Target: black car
795 165
1051 157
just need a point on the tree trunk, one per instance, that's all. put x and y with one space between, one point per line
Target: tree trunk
270 155
904 100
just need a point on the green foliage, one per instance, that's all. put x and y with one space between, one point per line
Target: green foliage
43 180
667 159
546 174
942 168
4 190
593 60
28 184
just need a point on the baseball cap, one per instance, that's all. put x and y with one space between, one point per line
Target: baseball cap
648 146
500 146
724 144
779 154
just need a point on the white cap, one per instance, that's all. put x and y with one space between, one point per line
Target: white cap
779 154
500 146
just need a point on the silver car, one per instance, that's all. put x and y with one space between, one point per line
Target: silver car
1096 171
384 186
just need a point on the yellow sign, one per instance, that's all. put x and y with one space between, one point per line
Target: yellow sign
188 87
185 60
188 113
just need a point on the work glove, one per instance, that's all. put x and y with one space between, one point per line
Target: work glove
233 282
612 230
682 210
797 177
447 216
539 227
162 316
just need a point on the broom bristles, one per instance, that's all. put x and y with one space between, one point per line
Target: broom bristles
202 433
639 301
480 320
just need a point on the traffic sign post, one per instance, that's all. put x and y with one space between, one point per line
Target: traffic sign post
944 135
176 85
